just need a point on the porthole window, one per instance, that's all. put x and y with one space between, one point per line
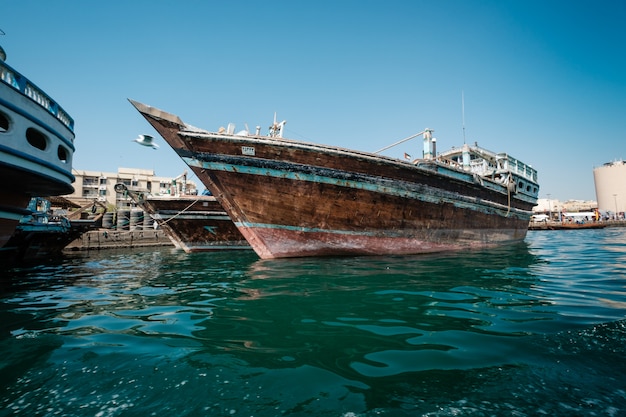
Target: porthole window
528 188
36 139
520 185
4 122
62 153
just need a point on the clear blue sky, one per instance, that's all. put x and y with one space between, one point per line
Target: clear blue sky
544 81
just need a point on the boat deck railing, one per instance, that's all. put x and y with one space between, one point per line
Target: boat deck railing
22 84
517 166
487 163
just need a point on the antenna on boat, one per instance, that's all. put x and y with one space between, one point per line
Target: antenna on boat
463 113
3 55
276 129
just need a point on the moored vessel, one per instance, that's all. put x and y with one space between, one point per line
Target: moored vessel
194 223
557 225
291 198
36 147
43 234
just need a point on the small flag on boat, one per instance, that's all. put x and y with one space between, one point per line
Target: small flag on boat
407 156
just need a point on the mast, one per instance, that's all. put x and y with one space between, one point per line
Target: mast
463 113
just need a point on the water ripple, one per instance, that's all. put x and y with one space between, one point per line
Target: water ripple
478 333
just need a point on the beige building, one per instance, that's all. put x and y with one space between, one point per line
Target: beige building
610 182
554 206
100 186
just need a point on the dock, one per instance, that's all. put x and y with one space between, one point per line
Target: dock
114 239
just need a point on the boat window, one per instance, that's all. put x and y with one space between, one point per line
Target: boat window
520 185
62 153
4 122
36 139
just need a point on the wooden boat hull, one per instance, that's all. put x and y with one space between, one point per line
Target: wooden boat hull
193 223
293 199
314 218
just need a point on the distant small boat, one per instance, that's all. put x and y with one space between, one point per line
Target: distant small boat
292 199
194 223
565 225
36 147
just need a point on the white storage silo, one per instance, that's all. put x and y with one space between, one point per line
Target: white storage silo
610 182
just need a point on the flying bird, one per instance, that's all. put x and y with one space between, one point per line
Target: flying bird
146 140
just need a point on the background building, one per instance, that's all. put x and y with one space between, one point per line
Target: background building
555 208
97 185
610 182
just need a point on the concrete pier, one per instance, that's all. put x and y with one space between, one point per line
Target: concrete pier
114 239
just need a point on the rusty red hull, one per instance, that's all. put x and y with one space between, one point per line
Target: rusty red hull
282 243
295 199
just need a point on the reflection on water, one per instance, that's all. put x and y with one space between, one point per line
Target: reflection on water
385 316
474 333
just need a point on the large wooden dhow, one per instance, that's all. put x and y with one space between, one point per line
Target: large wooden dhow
193 223
291 198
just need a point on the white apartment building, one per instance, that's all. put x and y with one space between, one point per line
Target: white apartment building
97 185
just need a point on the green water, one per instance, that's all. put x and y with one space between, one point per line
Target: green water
534 329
